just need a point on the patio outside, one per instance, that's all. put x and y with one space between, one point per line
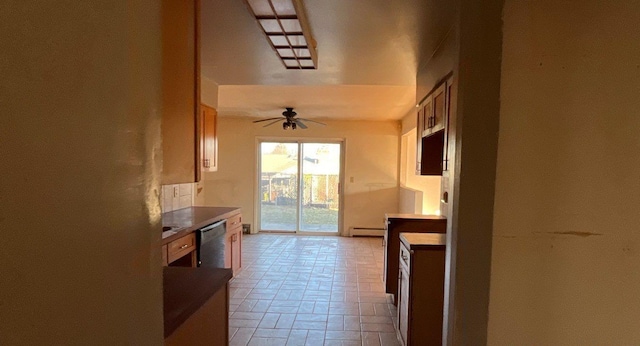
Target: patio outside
279 188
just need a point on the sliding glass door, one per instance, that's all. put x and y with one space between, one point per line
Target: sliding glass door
299 186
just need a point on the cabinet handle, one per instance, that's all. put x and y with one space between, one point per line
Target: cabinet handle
184 246
445 197
404 257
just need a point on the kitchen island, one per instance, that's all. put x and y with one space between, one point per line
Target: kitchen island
196 306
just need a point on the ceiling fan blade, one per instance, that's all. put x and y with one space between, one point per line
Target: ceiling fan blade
300 123
313 121
261 120
271 123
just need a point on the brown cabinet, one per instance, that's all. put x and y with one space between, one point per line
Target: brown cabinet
435 109
209 139
396 223
182 251
233 244
180 91
421 288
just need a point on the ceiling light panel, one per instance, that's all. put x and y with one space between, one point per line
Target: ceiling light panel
285 25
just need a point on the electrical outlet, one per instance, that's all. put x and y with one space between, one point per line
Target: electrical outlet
351 179
176 191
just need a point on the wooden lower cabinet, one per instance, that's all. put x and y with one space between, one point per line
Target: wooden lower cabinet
181 252
396 223
421 288
233 244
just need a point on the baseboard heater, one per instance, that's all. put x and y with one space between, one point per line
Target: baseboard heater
367 232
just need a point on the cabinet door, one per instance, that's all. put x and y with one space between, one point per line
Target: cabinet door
439 108
236 250
419 129
180 91
449 125
228 249
209 140
403 305
427 110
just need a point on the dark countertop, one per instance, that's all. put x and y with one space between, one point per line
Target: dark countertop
415 216
186 290
193 218
423 240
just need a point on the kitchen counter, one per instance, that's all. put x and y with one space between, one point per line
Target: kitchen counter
190 219
422 240
187 289
415 216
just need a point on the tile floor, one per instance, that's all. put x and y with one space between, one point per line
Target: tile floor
310 290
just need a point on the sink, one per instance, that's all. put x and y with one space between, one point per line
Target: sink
167 234
170 230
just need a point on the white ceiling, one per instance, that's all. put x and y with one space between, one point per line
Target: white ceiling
368 52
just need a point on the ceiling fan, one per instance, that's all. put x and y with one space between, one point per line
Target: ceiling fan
290 121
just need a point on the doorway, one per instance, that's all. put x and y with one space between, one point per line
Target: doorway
299 186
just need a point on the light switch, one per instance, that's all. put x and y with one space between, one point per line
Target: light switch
351 179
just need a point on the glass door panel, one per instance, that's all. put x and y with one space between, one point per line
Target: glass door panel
279 186
320 202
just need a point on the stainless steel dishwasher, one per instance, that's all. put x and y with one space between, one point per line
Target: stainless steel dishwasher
210 244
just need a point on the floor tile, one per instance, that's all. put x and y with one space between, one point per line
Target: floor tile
311 290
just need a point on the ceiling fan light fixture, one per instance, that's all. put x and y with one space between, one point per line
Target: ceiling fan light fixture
285 24
290 120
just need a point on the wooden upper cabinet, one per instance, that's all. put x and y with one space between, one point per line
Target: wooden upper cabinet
209 139
438 117
180 91
449 126
419 127
433 128
427 111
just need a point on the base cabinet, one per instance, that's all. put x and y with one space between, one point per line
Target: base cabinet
397 223
233 244
180 252
421 288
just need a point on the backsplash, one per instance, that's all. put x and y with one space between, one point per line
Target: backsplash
177 196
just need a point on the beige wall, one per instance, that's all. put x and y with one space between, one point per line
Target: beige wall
81 157
429 186
566 265
371 158
208 92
